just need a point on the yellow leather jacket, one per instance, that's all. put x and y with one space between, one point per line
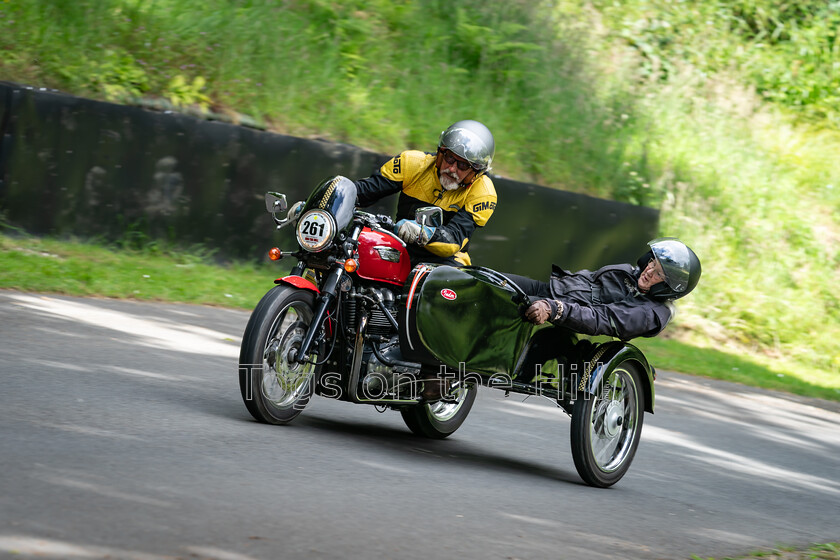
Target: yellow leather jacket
413 174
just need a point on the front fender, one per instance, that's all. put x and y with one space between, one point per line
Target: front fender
606 358
298 282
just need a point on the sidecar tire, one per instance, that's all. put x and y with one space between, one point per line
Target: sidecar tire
440 419
607 426
275 327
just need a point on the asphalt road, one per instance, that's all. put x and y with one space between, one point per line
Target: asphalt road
122 435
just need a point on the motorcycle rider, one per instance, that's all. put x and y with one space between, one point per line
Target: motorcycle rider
622 300
454 179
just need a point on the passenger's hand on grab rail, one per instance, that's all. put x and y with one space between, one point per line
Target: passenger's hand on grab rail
544 310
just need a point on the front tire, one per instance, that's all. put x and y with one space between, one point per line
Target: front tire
275 388
437 420
607 426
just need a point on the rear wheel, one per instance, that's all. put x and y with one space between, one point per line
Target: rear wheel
275 387
607 425
440 419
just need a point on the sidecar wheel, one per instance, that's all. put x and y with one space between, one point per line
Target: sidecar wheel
440 419
607 426
274 387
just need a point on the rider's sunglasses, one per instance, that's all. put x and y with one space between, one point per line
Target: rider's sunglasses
450 158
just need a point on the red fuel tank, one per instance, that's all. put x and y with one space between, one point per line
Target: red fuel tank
382 257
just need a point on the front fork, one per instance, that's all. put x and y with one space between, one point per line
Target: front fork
325 302
329 295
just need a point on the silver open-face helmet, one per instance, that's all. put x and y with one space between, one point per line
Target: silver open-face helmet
470 141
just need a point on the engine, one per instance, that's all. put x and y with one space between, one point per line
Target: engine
386 376
384 372
378 322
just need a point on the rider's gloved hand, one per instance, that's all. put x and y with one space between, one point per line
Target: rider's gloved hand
412 232
544 310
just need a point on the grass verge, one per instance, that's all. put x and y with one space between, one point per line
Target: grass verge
828 551
741 366
167 274
160 274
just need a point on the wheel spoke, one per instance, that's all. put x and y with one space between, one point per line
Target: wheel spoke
607 423
284 381
613 421
604 451
275 388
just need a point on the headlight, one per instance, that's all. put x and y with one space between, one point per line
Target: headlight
315 230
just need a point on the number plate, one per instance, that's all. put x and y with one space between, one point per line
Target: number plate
315 230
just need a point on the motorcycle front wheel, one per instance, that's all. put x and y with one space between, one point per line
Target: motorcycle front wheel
607 426
437 420
275 387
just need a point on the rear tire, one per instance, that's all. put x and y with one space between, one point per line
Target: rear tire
607 426
274 387
437 420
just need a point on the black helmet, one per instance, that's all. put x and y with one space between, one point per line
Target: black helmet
679 264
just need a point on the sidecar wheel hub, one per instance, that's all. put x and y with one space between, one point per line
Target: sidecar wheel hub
613 419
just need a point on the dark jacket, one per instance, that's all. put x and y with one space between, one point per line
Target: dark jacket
607 301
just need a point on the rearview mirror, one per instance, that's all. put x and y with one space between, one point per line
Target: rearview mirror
276 203
431 216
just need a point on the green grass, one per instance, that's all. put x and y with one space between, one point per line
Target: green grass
84 269
827 551
170 274
741 366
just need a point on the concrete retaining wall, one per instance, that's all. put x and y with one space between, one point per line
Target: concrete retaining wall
73 166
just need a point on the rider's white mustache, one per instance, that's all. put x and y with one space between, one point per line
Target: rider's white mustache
449 181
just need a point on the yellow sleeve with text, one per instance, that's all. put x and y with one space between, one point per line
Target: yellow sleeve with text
481 201
404 166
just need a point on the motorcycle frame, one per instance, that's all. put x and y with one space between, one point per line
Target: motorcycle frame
606 358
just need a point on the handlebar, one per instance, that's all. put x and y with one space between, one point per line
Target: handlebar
377 220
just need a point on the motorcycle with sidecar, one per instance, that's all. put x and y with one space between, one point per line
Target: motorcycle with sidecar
354 321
